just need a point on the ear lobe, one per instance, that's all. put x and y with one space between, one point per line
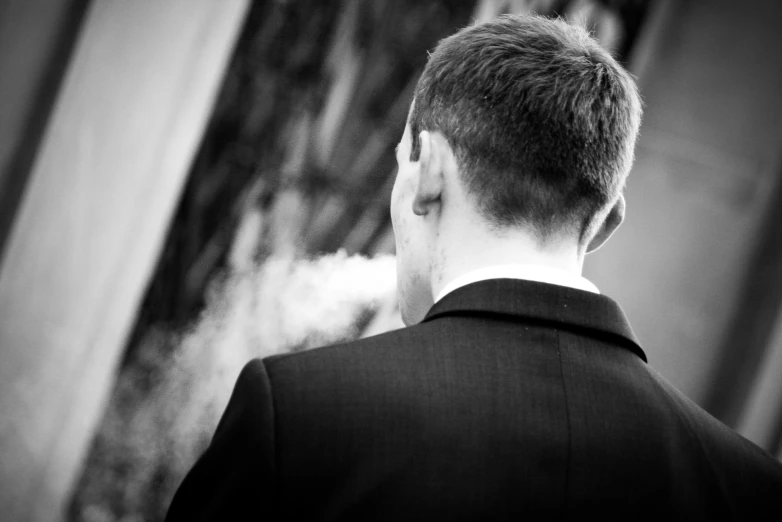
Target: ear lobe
430 175
611 222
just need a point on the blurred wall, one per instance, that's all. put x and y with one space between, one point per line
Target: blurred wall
36 38
708 164
107 174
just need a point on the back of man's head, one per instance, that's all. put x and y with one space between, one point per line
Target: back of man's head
542 120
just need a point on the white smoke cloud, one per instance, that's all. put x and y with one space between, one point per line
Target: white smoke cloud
285 304
152 435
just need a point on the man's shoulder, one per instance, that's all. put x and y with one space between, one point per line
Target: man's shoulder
368 351
736 461
414 346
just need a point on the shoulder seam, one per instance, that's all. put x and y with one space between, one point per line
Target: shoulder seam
567 422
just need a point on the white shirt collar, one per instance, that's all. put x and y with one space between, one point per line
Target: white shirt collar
539 273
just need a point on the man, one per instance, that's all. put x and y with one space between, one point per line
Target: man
518 391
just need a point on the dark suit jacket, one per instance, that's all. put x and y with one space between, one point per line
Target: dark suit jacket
511 400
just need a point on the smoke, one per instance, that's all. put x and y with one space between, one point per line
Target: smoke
283 305
166 407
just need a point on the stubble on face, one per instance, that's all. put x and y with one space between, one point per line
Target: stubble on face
436 263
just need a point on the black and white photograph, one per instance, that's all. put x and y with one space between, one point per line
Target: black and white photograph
390 260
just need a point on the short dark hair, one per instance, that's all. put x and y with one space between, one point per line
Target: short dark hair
543 121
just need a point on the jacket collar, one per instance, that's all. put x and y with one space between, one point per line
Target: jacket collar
559 306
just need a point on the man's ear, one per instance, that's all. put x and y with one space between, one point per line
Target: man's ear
430 174
611 222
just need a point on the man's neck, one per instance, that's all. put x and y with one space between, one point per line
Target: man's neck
483 250
539 273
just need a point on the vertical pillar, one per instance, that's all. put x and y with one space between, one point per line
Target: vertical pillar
107 176
36 40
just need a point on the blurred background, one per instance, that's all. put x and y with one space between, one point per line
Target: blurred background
187 184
